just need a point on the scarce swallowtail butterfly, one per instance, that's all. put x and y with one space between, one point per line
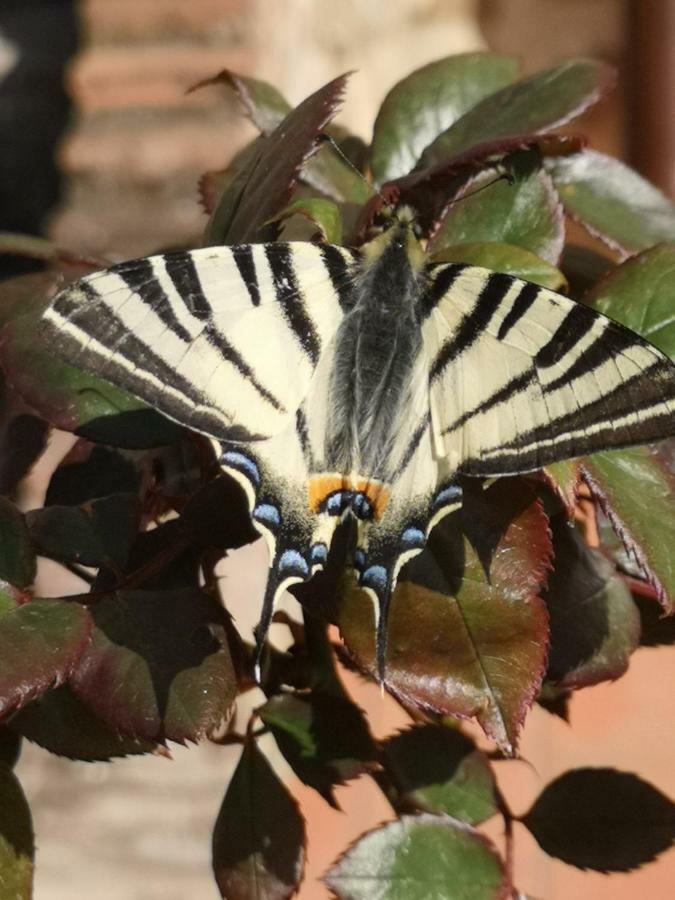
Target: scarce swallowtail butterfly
362 383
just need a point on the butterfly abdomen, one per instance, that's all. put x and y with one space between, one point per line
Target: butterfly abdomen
376 346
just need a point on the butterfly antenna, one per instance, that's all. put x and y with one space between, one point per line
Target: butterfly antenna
327 139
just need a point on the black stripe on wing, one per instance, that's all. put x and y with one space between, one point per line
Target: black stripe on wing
442 279
243 258
341 274
181 269
289 297
495 288
139 277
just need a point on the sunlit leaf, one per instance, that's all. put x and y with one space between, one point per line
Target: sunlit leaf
427 102
539 103
505 258
612 201
324 214
468 633
419 857
602 819
259 835
158 666
40 644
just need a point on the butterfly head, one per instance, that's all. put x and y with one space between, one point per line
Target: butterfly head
395 227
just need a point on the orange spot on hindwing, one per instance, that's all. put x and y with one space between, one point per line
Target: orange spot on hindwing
333 494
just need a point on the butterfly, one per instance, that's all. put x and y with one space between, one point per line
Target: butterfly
362 383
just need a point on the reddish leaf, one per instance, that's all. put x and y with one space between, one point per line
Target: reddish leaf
40 644
468 633
265 182
259 835
62 724
157 667
595 626
564 479
265 106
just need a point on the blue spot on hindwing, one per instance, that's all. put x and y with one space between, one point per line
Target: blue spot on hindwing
448 495
413 537
291 562
359 560
318 554
362 507
267 514
336 503
242 463
374 577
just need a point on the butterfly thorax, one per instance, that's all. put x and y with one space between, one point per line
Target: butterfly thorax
375 349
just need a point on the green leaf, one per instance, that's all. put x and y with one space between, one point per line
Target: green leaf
564 478
595 625
437 769
324 214
158 666
602 819
505 258
419 857
68 398
259 835
95 534
17 554
323 738
62 724
635 489
264 183
536 104
639 294
468 632
40 645
17 843
427 102
526 214
612 201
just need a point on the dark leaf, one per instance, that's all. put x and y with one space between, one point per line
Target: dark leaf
613 202
89 472
468 633
264 183
17 554
40 644
639 294
437 769
68 398
427 102
23 439
95 534
217 515
595 626
602 819
17 844
259 835
62 724
526 214
324 738
505 258
419 857
157 667
10 746
536 104
656 630
555 700
635 489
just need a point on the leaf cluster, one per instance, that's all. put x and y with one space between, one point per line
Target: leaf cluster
536 589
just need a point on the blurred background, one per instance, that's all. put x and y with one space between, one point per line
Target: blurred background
101 149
